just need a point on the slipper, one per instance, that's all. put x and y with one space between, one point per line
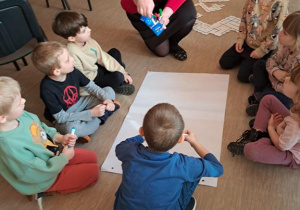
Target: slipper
179 53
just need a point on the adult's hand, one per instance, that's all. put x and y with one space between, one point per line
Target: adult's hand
144 7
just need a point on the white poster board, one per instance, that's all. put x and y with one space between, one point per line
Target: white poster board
201 100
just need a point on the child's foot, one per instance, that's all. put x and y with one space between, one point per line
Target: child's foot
192 204
251 123
125 89
84 139
252 109
237 147
179 53
253 99
109 113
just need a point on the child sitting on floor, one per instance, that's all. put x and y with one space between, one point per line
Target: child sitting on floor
260 24
59 90
273 140
105 69
269 76
29 157
153 178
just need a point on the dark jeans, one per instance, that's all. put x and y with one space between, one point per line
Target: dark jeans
231 58
187 191
106 78
286 101
262 84
260 78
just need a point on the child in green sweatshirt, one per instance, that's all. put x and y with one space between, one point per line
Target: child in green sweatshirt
30 159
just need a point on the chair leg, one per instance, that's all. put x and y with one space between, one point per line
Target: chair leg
24 61
47 3
16 65
90 5
63 3
66 4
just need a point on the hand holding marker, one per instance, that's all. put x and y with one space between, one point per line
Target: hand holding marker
153 22
73 133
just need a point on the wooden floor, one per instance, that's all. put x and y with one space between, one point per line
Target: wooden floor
244 185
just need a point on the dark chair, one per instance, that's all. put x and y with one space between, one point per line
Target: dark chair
67 6
20 32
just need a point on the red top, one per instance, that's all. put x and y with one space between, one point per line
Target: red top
130 7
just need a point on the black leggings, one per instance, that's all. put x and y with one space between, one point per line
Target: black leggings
231 58
180 25
106 78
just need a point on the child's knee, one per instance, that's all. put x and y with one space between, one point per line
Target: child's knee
250 151
110 93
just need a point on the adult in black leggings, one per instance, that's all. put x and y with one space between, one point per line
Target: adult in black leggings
178 16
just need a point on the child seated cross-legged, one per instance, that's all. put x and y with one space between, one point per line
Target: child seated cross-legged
275 136
268 76
260 24
153 178
59 90
105 69
29 157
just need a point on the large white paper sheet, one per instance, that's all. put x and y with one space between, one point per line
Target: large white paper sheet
201 100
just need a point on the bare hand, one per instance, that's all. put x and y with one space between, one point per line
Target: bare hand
255 55
69 152
165 18
277 119
69 139
239 48
98 110
128 79
110 106
271 121
280 128
280 75
145 7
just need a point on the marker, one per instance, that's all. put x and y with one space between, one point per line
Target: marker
73 133
160 12
185 134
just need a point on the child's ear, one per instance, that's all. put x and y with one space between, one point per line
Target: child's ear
71 39
181 139
141 131
56 72
2 119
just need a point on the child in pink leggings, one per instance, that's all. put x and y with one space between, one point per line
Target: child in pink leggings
275 136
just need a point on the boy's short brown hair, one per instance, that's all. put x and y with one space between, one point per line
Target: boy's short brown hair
68 23
45 56
9 89
163 126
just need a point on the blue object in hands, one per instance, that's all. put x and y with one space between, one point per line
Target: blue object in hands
154 25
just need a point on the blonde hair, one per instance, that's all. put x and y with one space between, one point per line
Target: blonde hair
45 56
291 25
163 126
9 89
295 78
